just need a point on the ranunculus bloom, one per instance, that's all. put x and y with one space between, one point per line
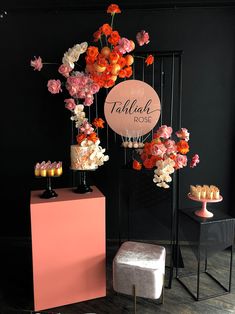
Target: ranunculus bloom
70 104
183 147
114 38
149 60
36 63
97 35
64 70
164 131
183 134
106 29
142 38
195 160
136 165
113 9
54 86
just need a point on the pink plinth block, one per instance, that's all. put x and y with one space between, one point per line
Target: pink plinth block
68 248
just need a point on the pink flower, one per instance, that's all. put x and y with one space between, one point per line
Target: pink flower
183 134
158 150
70 103
164 132
124 45
88 100
94 88
195 160
180 161
86 128
142 38
36 63
171 147
54 86
64 70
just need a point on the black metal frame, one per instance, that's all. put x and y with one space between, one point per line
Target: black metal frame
161 55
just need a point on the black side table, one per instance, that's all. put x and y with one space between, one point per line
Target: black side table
210 235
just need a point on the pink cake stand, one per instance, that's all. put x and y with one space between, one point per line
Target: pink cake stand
203 212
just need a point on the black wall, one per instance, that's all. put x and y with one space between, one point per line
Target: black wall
35 126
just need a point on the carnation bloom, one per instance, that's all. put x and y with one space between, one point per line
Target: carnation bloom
36 63
142 38
149 60
183 134
124 45
97 35
98 123
195 160
54 86
106 29
180 161
183 147
164 131
114 38
113 9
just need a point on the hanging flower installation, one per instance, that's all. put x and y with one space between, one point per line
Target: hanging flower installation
165 155
107 61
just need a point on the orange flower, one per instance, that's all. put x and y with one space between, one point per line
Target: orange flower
149 60
109 83
106 29
122 62
92 137
89 60
98 123
113 57
101 61
80 138
148 148
128 71
97 35
92 52
183 147
148 163
136 165
122 73
113 9
114 38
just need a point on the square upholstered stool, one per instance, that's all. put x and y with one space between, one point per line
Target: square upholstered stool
139 269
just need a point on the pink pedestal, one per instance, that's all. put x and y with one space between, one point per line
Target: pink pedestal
68 247
204 212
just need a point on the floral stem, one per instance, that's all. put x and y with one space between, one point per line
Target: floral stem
101 44
112 20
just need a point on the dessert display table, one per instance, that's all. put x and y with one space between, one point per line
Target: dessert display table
68 247
208 237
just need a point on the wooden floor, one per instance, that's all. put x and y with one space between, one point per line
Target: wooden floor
177 299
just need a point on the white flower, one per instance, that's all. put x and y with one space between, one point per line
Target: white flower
84 46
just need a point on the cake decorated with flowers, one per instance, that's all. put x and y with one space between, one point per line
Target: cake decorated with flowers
87 154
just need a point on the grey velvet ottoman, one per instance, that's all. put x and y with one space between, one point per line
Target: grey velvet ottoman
139 269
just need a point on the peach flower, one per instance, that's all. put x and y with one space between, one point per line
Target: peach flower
164 131
195 160
70 104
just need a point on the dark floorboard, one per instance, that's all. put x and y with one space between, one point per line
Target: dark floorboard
16 296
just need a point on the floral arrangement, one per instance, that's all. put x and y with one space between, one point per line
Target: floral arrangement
165 155
105 65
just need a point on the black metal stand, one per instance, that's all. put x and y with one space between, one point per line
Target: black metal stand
228 236
197 296
83 187
48 193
